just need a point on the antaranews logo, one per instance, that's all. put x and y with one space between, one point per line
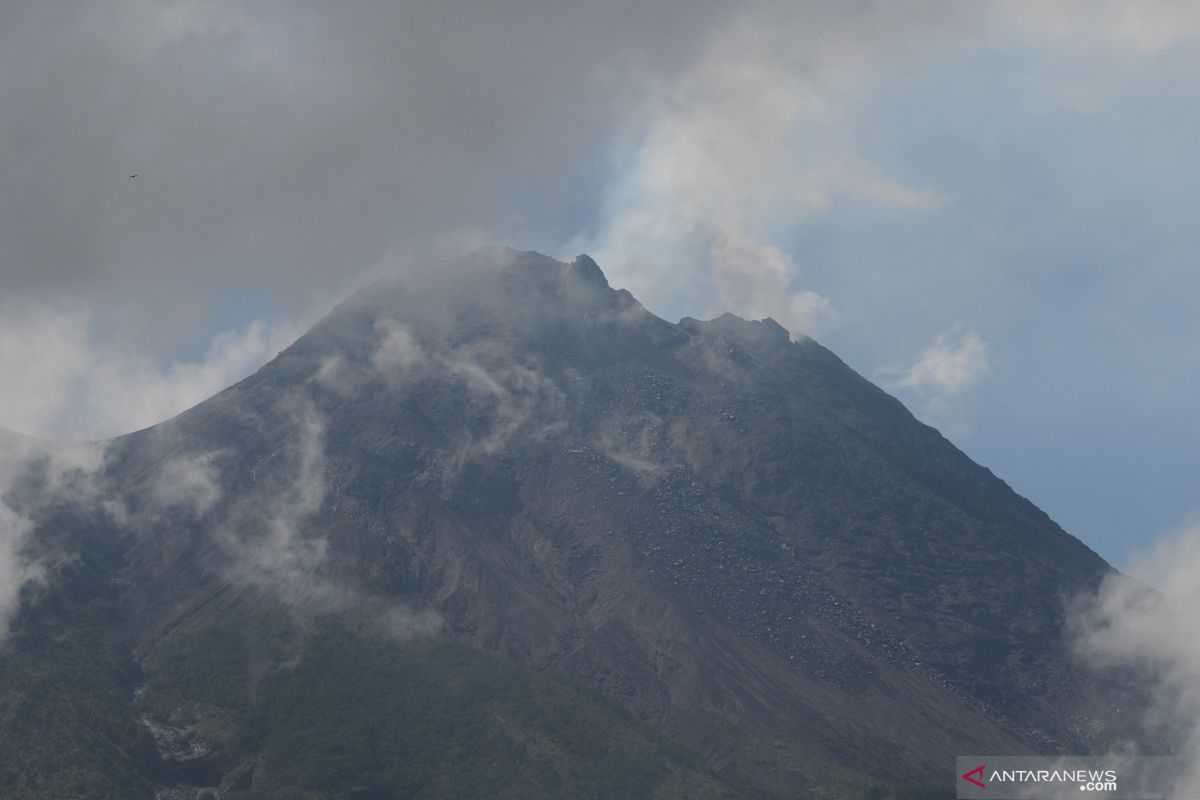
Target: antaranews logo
975 776
1051 778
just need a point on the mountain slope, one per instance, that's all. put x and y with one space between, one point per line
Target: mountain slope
733 536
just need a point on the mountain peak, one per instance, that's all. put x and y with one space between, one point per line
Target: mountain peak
589 270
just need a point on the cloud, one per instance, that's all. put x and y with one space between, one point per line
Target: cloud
731 153
506 397
281 151
274 541
191 483
269 534
956 361
34 476
638 442
504 392
281 148
16 569
1149 624
276 552
398 350
1143 28
63 382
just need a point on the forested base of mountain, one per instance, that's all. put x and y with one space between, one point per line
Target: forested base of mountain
334 713
68 727
273 706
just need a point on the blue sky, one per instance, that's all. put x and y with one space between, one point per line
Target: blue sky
987 208
1065 236
1062 235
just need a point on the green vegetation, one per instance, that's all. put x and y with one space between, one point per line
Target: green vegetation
334 714
66 724
778 765
307 712
313 710
318 711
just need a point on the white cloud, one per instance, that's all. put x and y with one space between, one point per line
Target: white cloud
61 382
66 474
16 569
956 361
398 350
1152 626
191 483
281 556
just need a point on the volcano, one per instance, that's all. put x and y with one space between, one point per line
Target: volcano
496 530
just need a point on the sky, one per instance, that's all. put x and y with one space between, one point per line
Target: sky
987 208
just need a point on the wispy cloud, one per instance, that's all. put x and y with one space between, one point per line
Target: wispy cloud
186 482
16 568
397 351
268 537
941 376
275 541
955 361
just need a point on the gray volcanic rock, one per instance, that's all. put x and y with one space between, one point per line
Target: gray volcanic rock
730 533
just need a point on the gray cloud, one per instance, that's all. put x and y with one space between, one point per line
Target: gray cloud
302 140
279 148
282 151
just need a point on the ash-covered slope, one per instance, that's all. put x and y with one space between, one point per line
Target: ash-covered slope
732 535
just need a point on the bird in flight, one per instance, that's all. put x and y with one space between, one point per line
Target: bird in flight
134 175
